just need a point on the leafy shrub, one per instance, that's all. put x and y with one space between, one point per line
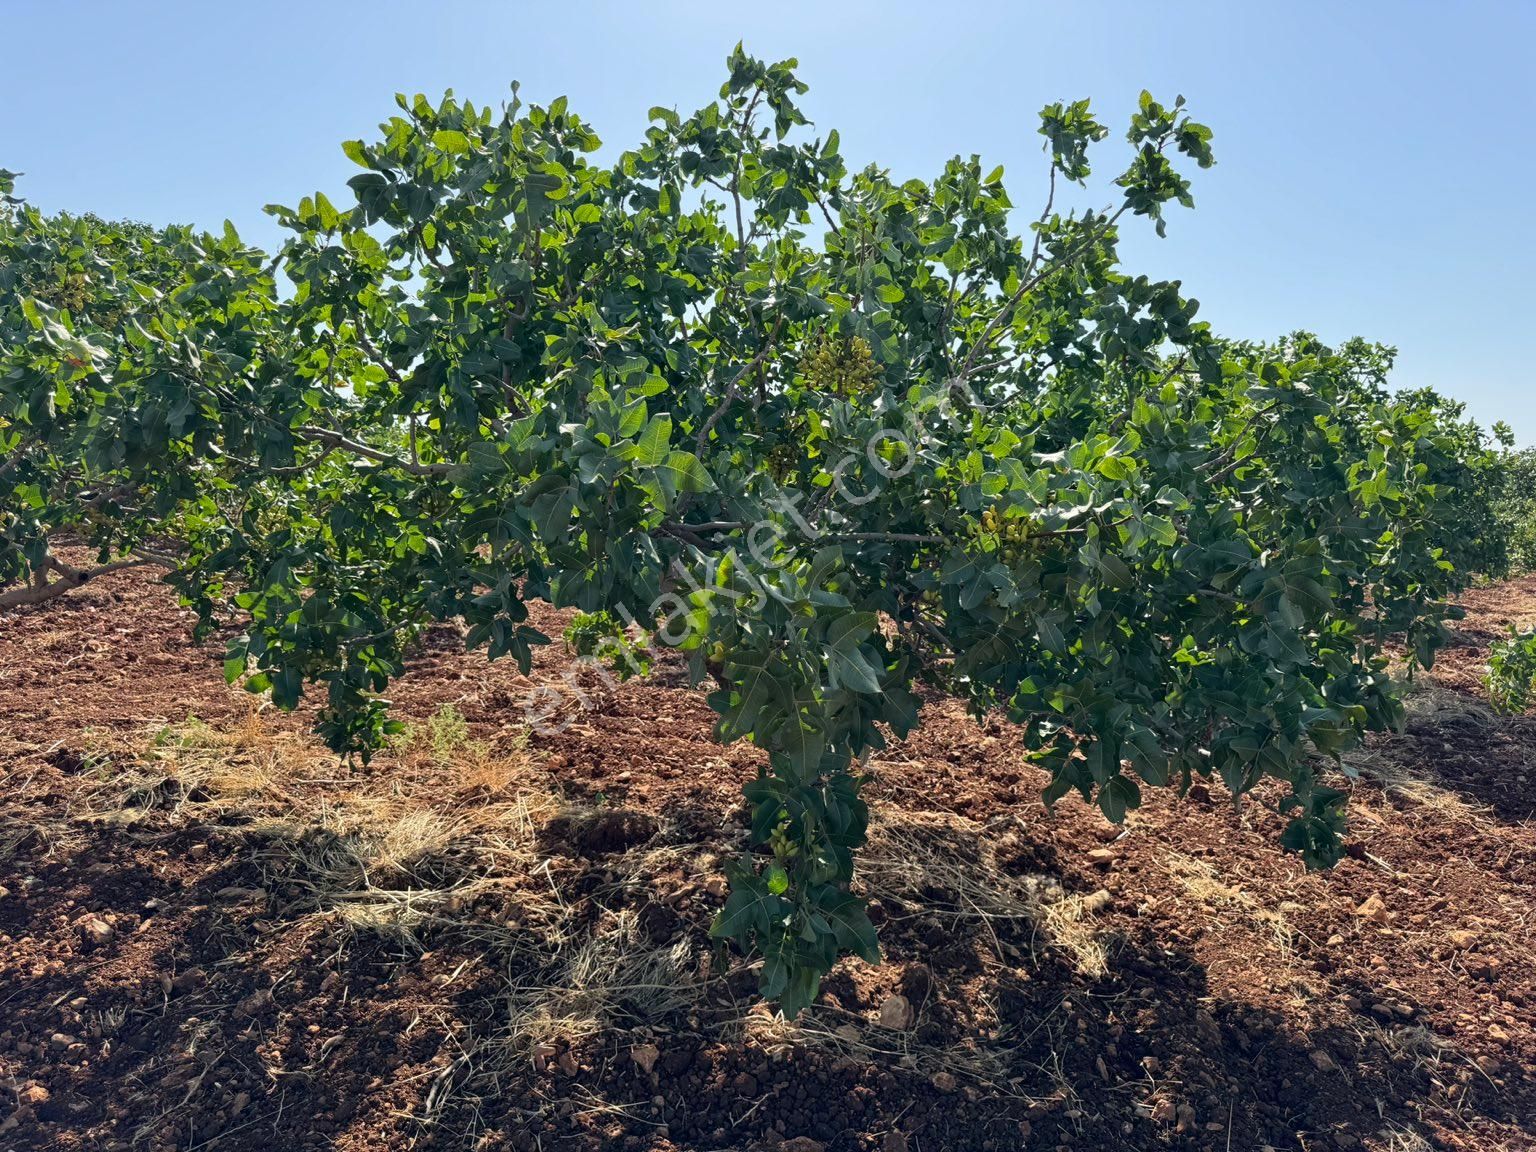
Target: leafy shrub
1512 671
601 636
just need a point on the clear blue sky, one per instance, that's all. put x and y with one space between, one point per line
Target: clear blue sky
1376 160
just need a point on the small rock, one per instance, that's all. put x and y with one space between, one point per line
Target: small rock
896 1012
1322 1061
33 1095
1102 858
1374 909
96 932
1163 1112
190 980
745 1084
4 891
645 1056
1185 1116
716 887
568 1063
1152 1064
802 1144
255 1003
543 1054
944 1082
197 851
1096 902
1461 937
1484 967
895 1141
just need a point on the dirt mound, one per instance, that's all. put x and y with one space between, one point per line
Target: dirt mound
213 936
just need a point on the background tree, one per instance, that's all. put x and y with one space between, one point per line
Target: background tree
116 462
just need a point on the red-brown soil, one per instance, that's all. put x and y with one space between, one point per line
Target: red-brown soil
212 936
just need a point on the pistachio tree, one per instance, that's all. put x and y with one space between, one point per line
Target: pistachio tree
838 437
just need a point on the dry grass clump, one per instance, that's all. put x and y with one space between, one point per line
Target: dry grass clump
1403 780
440 838
1067 924
948 865
850 1037
609 977
942 864
217 775
1203 884
440 820
1395 1138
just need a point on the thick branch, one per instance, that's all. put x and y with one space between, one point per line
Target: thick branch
69 578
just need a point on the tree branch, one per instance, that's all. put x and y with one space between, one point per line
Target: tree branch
733 389
341 443
1031 281
70 578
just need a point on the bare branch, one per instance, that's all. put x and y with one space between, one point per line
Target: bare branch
883 538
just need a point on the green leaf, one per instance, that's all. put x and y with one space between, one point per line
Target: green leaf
450 141
684 472
851 925
655 443
1117 795
749 908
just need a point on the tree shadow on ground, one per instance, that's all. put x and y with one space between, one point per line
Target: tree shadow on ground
230 1014
1483 757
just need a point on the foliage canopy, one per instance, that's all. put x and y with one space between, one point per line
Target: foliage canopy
840 438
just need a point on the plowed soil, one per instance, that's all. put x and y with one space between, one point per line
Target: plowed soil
214 936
